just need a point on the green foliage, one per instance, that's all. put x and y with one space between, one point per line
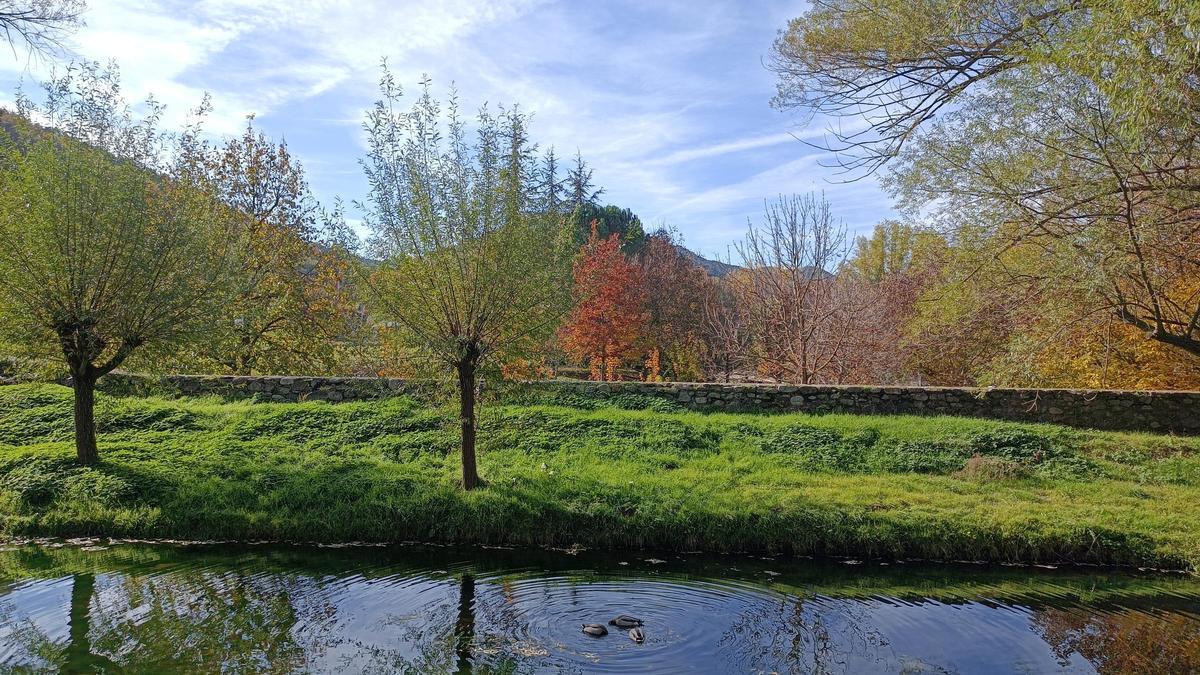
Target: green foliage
1059 151
469 269
895 248
156 250
36 482
609 220
1018 445
602 476
938 457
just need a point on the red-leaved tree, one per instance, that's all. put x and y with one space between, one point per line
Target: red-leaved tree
610 307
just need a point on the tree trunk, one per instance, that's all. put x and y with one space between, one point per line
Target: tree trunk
466 398
464 628
85 419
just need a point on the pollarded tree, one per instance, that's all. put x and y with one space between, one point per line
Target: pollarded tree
470 274
104 251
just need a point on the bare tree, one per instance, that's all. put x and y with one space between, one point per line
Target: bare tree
39 25
800 320
725 325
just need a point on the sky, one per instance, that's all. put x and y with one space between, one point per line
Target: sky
669 101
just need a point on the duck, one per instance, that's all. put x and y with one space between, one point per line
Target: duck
625 621
595 629
637 635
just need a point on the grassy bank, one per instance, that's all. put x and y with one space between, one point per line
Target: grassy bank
577 471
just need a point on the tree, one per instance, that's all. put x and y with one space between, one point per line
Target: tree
104 249
894 248
898 65
1072 126
39 24
886 276
1112 219
608 220
675 290
551 188
291 306
725 327
580 189
610 314
800 315
470 275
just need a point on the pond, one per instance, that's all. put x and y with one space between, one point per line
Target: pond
125 606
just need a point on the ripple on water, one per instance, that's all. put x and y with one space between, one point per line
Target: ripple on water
149 608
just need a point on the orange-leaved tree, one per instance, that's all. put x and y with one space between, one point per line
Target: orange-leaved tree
610 307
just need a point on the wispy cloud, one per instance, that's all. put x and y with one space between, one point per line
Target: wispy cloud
668 100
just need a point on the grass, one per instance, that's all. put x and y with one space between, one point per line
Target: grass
624 472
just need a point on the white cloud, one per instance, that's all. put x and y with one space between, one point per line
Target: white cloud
667 100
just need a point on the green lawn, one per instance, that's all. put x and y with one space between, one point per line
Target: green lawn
601 474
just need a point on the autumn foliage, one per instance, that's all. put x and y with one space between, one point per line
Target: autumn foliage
610 314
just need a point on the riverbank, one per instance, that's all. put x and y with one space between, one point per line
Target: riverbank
576 471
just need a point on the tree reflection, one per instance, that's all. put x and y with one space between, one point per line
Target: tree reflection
464 627
78 656
1124 640
811 635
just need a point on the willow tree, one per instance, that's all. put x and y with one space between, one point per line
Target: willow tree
471 269
1069 127
105 249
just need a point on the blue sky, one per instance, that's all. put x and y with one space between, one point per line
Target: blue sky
669 101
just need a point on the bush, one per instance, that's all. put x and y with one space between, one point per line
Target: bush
1017 445
1068 467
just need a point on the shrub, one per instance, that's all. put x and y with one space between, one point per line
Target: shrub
799 438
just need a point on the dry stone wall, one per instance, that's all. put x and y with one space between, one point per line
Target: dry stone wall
1161 411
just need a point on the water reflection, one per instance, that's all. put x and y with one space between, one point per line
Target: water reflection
203 609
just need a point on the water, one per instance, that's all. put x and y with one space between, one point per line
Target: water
165 608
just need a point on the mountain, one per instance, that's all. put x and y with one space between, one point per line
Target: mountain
714 268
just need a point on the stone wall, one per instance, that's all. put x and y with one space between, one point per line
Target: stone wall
1162 411
266 388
